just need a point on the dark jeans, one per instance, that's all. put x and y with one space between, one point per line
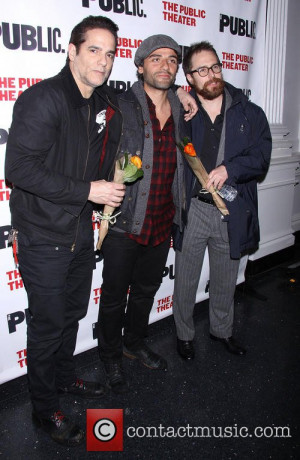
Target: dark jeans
127 263
58 284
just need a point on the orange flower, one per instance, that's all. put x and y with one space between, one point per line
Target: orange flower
136 161
189 150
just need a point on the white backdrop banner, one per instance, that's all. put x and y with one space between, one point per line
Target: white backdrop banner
34 38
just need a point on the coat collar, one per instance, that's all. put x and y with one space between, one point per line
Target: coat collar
74 93
71 87
236 94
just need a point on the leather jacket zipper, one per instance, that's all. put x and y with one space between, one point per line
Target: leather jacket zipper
117 151
83 176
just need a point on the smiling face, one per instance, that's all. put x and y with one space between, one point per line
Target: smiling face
92 65
211 86
160 68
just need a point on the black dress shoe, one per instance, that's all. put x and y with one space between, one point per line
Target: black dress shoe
147 357
60 428
115 378
231 345
185 349
84 389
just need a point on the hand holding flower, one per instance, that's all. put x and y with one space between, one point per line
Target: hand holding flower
127 169
200 172
108 193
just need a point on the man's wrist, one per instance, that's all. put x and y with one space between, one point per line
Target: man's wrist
175 88
91 191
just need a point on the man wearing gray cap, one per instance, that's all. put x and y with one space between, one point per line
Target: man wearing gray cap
135 249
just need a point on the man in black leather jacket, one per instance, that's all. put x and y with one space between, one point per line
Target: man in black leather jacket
57 139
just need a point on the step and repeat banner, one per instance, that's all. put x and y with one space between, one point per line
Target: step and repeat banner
34 37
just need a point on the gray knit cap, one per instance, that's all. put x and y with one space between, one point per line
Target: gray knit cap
153 43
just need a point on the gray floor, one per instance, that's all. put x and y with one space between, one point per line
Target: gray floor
217 390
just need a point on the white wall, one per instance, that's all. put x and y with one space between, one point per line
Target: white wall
291 107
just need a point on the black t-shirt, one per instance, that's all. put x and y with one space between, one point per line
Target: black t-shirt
96 111
210 146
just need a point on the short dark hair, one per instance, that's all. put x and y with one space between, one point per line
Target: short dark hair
193 49
90 23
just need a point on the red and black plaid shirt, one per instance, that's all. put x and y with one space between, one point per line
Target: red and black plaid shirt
160 207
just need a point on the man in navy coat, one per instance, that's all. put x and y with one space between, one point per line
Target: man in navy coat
231 136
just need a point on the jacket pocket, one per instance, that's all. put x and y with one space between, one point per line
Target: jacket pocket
247 224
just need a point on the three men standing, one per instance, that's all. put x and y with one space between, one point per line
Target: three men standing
57 158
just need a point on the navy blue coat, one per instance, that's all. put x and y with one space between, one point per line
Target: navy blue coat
248 146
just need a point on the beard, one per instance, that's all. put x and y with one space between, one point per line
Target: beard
214 92
155 82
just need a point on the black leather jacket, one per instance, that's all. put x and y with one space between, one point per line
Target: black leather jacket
47 157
